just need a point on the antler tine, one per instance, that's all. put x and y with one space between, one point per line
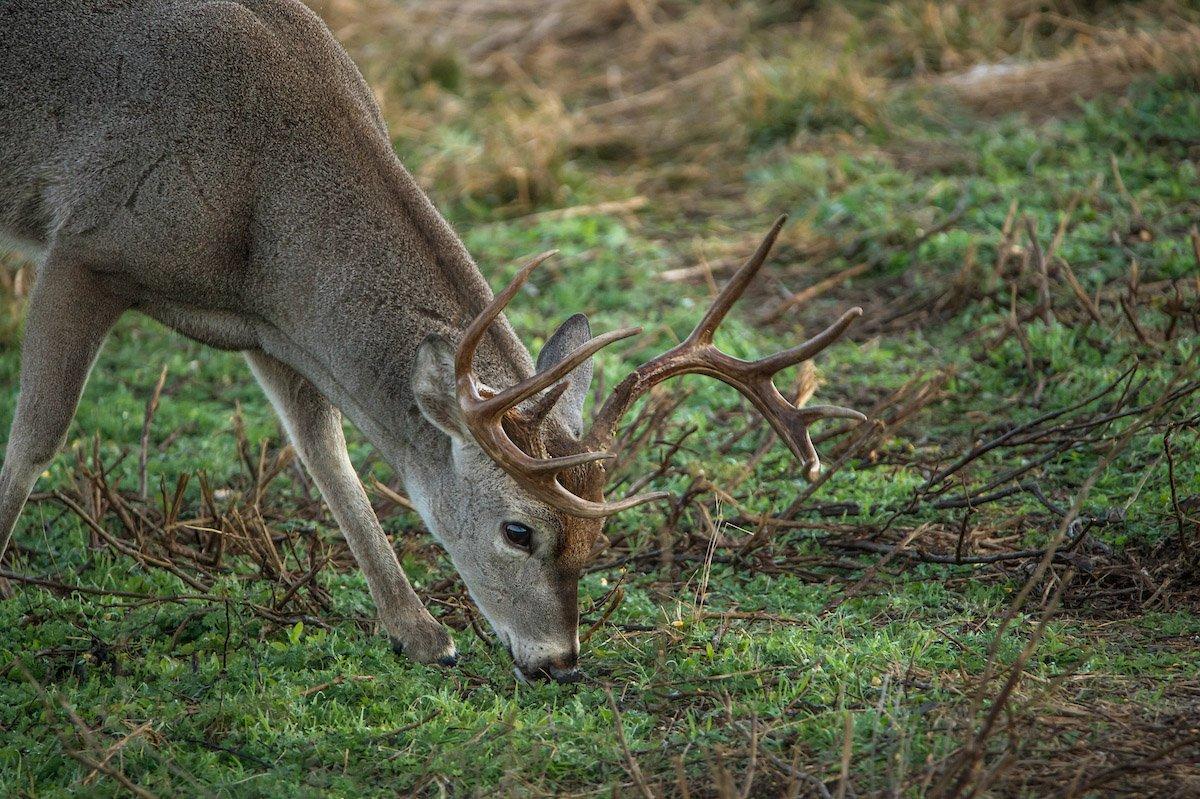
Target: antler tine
545 404
808 456
736 286
698 355
791 423
695 355
515 395
578 506
803 352
815 412
524 466
485 415
479 325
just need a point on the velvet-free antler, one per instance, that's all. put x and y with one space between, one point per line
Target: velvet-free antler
485 411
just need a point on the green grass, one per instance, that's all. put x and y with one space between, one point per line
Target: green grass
229 698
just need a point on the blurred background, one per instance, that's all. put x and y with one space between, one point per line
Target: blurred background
508 107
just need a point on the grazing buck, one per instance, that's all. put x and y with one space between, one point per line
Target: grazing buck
222 167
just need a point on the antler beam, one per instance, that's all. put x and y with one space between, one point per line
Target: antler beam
695 355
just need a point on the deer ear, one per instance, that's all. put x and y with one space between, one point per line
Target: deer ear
570 334
433 386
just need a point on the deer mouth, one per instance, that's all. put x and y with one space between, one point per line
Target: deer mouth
560 676
563 673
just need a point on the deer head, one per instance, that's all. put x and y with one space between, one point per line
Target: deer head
527 504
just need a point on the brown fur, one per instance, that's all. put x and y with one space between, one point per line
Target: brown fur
578 538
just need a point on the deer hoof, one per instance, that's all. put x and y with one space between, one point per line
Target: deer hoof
431 645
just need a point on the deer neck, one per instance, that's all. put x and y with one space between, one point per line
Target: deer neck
363 286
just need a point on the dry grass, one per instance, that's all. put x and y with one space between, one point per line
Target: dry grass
493 99
1054 85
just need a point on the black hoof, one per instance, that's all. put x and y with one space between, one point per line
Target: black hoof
448 660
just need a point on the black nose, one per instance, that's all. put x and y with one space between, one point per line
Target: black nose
563 669
573 674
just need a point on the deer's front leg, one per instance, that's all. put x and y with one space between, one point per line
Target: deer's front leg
315 428
70 314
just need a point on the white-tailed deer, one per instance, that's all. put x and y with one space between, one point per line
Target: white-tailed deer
223 168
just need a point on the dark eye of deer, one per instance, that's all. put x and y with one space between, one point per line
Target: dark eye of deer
518 535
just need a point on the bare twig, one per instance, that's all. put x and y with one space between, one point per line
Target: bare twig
1184 541
1043 273
815 290
85 734
1077 289
631 763
614 603
151 409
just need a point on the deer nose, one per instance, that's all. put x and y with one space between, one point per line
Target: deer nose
566 676
565 668
561 669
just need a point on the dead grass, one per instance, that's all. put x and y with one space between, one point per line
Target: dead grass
1056 84
493 99
1067 738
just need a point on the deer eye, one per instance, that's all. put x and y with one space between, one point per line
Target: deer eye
518 535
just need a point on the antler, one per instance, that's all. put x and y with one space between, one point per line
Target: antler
697 355
485 410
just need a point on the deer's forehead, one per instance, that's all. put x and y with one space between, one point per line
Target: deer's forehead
587 481
578 539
